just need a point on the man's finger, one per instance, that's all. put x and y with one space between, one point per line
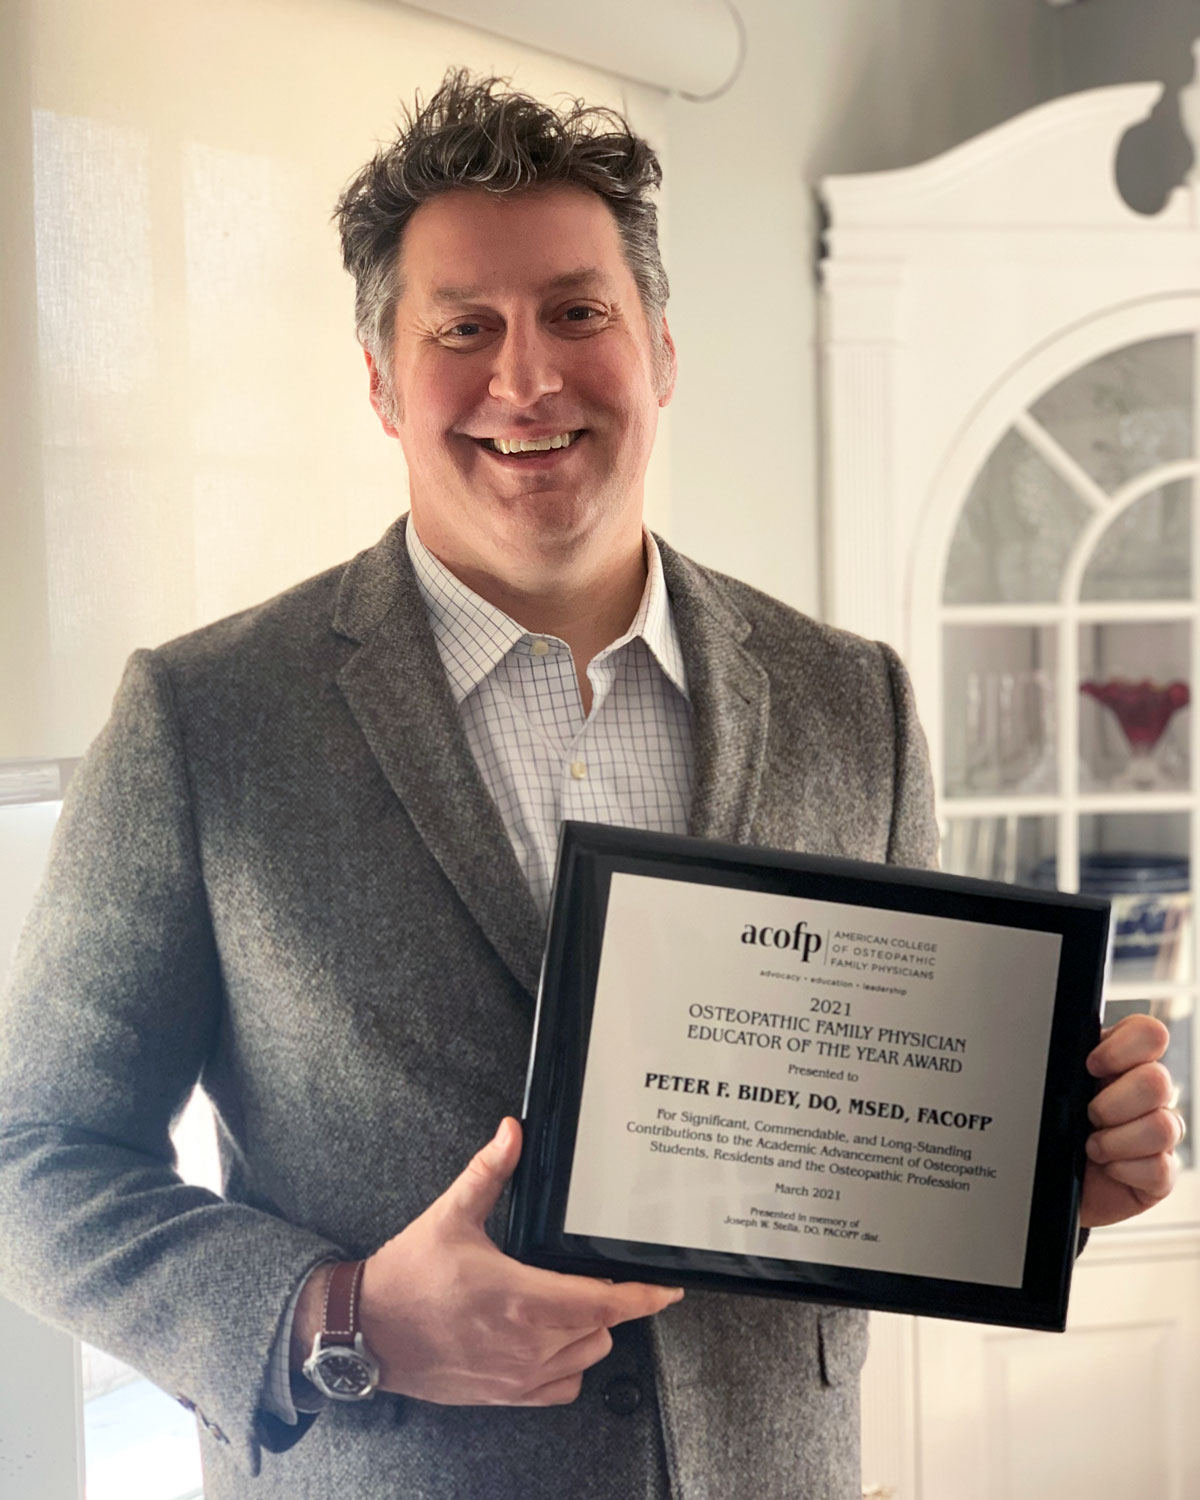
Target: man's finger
475 1191
1151 1177
1138 1092
579 1356
627 1300
1145 1136
556 1392
555 1300
1133 1040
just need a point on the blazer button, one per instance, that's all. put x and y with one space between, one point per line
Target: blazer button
622 1396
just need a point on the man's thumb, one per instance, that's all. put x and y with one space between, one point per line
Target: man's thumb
476 1190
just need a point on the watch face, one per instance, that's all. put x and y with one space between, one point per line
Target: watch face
343 1373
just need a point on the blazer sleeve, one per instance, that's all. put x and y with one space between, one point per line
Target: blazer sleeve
914 839
113 1004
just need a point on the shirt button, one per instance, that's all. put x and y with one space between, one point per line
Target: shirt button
540 647
622 1396
578 770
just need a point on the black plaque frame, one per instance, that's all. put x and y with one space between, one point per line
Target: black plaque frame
589 855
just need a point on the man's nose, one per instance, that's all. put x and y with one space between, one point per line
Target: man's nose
526 368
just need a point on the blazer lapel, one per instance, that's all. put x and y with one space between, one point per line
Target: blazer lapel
396 688
730 702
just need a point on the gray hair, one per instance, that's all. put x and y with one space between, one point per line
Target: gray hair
480 133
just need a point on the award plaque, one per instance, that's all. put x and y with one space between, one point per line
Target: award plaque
779 1073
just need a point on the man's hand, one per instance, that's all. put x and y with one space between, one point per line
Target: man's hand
452 1319
1131 1161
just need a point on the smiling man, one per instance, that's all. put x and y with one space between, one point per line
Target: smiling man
309 859
526 398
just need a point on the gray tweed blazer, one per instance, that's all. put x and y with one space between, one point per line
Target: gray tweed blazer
279 872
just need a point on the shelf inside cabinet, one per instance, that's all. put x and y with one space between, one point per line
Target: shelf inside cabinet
1090 611
1085 802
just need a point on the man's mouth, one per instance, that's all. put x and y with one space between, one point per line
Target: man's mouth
519 447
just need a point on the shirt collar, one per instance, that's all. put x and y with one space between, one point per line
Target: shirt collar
473 636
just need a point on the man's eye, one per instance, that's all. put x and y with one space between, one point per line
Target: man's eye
581 314
465 330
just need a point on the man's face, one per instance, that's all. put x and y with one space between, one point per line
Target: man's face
520 320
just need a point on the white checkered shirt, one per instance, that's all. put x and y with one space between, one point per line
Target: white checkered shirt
628 762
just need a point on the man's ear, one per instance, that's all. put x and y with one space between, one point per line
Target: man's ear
667 363
381 397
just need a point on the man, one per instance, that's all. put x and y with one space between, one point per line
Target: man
309 858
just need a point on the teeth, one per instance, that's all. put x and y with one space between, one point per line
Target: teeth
532 445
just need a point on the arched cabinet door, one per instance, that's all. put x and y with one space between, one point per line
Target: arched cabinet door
1062 632
1012 406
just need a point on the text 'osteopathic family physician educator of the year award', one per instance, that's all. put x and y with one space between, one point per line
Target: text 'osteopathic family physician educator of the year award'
810 1076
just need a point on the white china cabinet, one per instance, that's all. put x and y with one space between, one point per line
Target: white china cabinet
1012 387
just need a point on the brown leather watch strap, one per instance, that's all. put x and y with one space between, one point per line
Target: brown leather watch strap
340 1319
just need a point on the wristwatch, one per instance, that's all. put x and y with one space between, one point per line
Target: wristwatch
340 1365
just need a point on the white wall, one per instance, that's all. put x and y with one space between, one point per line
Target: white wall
185 427
842 86
1120 41
1117 41
25 833
829 85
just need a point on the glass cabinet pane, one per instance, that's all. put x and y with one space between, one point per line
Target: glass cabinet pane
1012 849
1147 551
1105 426
1134 715
1140 862
1016 530
1126 412
999 710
